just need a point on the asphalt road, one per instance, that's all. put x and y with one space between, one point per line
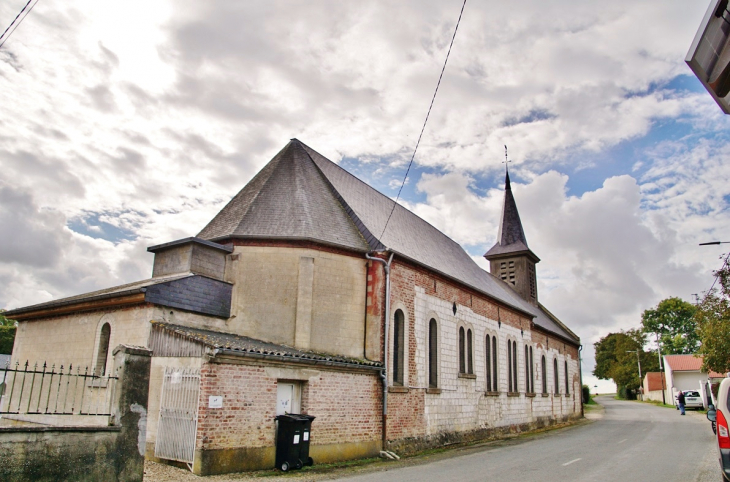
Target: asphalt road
630 441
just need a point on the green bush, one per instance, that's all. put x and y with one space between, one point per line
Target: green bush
586 394
7 338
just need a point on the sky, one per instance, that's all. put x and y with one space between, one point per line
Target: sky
128 124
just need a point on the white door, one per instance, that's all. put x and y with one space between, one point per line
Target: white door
288 397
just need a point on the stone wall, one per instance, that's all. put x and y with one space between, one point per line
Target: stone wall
462 408
307 298
240 435
113 453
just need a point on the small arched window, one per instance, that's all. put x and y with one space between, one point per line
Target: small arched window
102 351
432 354
462 350
544 375
567 382
555 375
398 347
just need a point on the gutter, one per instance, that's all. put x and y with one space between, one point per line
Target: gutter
384 372
580 374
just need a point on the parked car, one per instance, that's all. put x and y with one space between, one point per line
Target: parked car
692 399
720 414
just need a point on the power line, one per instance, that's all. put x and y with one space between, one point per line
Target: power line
425 121
717 276
16 20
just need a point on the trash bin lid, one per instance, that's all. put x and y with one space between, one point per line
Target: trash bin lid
294 417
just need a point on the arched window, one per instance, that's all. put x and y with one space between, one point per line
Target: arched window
469 353
488 361
544 375
514 365
432 354
398 347
509 366
102 351
529 371
495 380
462 350
555 375
567 382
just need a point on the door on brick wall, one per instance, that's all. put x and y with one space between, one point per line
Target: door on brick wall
178 414
288 397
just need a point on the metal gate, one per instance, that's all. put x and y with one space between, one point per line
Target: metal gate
178 414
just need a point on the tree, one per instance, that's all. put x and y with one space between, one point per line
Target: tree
7 334
6 321
673 322
616 359
713 324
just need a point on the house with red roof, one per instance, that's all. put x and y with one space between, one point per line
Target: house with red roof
684 372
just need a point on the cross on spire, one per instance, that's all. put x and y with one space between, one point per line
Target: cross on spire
505 162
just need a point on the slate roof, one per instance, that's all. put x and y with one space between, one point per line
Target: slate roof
186 291
688 363
246 346
511 237
345 211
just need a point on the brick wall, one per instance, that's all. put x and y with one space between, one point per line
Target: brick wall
346 405
462 404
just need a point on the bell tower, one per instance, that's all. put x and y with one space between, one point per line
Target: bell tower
510 259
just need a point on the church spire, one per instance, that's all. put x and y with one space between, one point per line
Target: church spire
510 259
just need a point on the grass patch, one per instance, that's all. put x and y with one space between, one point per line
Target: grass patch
658 404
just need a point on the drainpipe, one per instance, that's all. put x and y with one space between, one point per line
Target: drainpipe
580 373
384 372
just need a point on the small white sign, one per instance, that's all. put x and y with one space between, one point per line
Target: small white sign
306 436
215 401
296 439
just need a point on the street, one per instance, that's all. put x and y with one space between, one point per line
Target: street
626 441
632 441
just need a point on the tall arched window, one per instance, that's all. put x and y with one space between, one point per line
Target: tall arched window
488 361
555 375
469 353
432 354
544 375
398 347
102 351
532 373
495 380
567 382
514 365
529 371
509 366
462 350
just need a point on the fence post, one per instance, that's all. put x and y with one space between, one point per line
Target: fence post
129 406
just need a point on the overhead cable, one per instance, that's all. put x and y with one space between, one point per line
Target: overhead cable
4 37
425 121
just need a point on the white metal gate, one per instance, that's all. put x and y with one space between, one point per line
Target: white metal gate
178 414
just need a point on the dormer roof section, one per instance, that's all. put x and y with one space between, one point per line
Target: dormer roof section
511 237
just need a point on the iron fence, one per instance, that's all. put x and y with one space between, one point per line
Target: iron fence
34 390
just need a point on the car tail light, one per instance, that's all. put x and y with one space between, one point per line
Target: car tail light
723 437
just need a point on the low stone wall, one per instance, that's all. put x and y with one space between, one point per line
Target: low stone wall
113 453
412 445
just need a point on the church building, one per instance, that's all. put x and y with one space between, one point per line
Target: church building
296 299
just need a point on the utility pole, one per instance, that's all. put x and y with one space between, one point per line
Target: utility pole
661 369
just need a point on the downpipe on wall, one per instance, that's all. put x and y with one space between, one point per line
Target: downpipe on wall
384 372
580 374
